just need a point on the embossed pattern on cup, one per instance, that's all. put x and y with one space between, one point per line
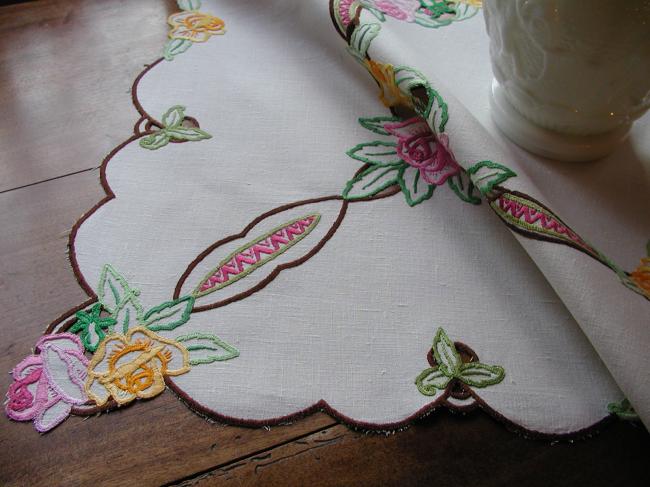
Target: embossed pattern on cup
572 66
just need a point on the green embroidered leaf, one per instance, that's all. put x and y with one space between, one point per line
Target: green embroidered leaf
377 153
376 124
189 4
487 174
205 348
173 117
371 181
435 112
431 380
169 315
415 189
361 39
174 47
464 188
155 141
623 410
476 374
91 327
112 290
187 133
448 359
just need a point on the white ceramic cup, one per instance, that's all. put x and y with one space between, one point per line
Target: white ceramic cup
570 76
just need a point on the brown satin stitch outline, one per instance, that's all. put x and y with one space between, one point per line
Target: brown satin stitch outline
390 191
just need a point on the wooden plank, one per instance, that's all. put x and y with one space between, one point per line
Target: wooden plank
153 441
66 68
442 450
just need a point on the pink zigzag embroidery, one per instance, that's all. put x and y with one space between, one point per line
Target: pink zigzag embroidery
247 259
546 222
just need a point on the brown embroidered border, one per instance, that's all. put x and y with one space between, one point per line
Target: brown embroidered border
67 319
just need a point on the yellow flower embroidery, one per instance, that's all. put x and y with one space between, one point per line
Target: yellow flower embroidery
195 26
473 3
641 276
390 94
133 366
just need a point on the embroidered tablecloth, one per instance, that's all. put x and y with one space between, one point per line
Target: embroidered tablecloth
315 212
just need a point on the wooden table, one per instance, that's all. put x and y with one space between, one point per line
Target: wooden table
66 68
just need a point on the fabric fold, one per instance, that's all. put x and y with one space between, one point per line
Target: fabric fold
611 308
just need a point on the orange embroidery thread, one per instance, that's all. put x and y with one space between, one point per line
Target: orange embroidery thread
195 26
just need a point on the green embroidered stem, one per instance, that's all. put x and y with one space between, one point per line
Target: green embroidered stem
450 366
173 129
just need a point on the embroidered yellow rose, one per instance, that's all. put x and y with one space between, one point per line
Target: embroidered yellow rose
641 276
126 367
194 26
390 94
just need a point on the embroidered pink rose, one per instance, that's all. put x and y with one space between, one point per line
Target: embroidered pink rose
399 9
48 384
420 148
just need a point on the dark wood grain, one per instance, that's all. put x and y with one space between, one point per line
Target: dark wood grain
66 68
446 450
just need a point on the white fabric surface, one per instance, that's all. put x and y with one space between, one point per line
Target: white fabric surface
353 324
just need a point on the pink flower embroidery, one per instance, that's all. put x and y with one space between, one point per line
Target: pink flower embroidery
399 9
46 385
419 147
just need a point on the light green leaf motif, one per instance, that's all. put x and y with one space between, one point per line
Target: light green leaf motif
174 47
447 357
187 133
449 366
173 117
362 38
169 315
431 380
173 130
435 112
205 348
155 140
487 174
113 292
189 4
476 374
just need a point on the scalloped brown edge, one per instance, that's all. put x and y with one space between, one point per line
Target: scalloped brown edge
321 405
